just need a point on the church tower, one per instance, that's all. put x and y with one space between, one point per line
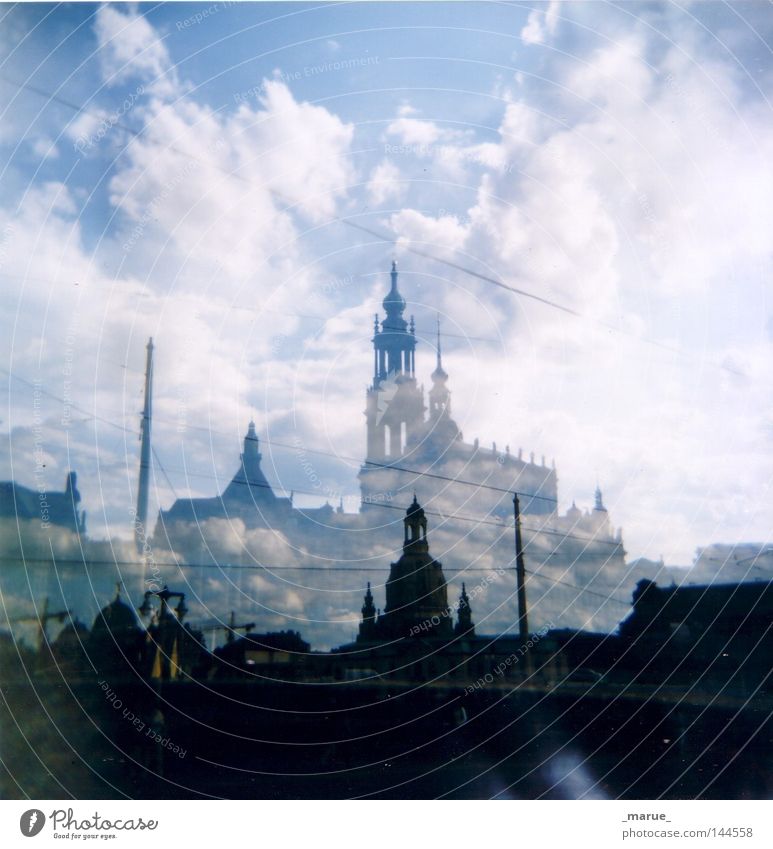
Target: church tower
441 428
249 484
416 591
464 626
395 405
369 622
394 408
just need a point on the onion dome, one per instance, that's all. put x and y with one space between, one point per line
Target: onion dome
394 302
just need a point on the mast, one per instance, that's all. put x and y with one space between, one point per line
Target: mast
520 574
141 518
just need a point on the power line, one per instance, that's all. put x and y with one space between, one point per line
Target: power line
475 519
382 237
163 472
574 587
478 520
266 568
278 444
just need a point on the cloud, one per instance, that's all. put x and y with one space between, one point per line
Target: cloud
129 48
44 148
541 24
629 183
646 202
415 131
201 250
384 183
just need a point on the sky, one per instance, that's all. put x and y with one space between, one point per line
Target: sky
195 172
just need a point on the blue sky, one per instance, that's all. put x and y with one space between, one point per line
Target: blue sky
613 158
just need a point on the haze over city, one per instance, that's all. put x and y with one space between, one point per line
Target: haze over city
191 177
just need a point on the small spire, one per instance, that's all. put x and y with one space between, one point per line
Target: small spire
464 626
439 375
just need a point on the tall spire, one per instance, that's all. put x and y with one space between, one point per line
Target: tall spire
464 624
368 623
599 501
443 427
439 375
141 517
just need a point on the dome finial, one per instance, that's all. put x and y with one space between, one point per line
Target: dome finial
394 302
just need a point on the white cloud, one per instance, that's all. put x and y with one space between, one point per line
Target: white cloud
44 148
129 48
541 24
384 183
200 252
415 131
647 211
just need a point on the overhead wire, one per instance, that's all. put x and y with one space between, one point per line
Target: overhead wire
273 568
382 237
417 472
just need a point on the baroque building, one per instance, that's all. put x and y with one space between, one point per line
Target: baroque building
416 592
403 445
415 449
60 509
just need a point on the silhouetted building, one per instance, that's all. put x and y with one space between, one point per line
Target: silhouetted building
116 639
464 626
255 652
49 508
413 447
69 651
171 649
717 628
416 593
248 496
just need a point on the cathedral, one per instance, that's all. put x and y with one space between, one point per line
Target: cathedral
416 454
403 444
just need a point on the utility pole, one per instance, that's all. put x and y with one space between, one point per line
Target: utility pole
141 517
42 618
520 574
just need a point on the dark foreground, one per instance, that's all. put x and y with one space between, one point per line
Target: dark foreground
80 739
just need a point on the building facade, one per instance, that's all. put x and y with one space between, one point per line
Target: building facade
415 449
